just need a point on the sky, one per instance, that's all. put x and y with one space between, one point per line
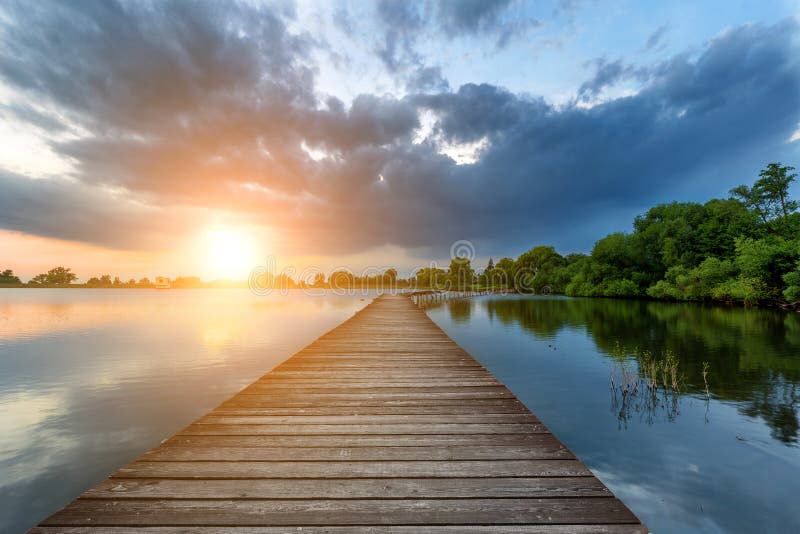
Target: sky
204 138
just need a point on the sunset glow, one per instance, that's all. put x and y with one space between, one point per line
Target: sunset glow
230 253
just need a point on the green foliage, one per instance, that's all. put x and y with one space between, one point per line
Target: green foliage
538 270
7 277
620 288
57 276
767 261
747 290
682 283
769 198
744 249
430 277
503 273
460 275
792 280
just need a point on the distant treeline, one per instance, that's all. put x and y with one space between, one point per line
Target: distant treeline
742 249
64 277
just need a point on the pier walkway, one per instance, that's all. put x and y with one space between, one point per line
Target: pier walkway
383 424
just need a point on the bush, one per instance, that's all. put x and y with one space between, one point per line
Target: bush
792 291
621 288
747 290
664 290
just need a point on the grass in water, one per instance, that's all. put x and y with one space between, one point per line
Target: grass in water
706 369
645 383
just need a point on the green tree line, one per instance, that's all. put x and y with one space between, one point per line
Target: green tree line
744 249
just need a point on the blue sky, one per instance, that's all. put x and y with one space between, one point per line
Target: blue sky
366 133
551 58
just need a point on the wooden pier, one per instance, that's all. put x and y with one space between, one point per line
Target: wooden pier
383 424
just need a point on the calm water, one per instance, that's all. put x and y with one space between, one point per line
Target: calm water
90 379
686 463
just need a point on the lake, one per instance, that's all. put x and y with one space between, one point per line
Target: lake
90 379
723 461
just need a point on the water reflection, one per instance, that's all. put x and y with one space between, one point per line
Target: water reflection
722 459
754 355
90 379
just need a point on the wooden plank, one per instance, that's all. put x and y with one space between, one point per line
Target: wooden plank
343 401
365 440
396 374
337 488
381 425
545 451
373 529
370 364
365 397
300 430
219 418
367 384
260 408
349 469
343 512
483 390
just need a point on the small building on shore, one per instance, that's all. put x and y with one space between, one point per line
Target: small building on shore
162 282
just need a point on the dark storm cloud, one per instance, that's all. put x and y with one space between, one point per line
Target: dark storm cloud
71 210
404 23
206 106
427 79
481 17
549 167
128 64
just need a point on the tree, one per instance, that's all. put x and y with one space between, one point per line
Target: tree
503 273
767 261
7 277
105 280
460 274
537 270
769 196
429 277
341 279
792 280
57 276
38 280
490 265
390 277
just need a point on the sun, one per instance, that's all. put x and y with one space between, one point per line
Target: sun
230 253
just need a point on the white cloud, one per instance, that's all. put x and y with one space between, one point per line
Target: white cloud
427 122
795 136
460 153
25 152
314 153
465 153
